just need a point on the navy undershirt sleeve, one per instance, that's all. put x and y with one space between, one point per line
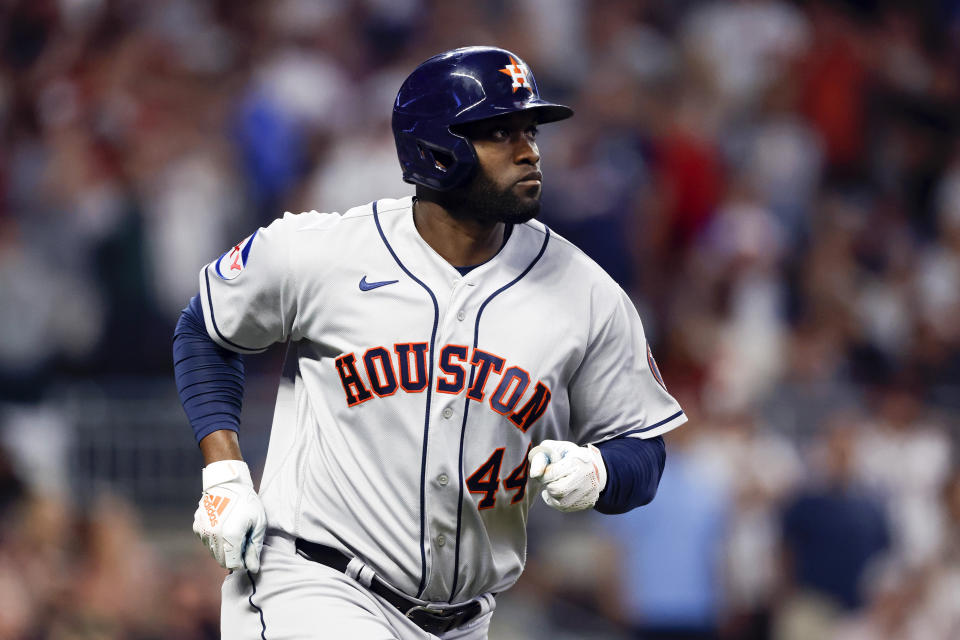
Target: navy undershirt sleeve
634 467
209 377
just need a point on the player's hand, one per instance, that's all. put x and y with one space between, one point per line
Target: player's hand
230 519
572 476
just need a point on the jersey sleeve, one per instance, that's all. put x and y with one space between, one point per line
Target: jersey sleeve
248 294
617 390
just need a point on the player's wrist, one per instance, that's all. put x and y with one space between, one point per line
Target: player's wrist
220 444
224 471
601 466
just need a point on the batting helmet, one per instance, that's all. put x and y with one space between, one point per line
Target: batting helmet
452 88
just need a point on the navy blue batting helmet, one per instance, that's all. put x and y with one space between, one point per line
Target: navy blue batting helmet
453 88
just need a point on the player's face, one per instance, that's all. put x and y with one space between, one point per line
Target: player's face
506 187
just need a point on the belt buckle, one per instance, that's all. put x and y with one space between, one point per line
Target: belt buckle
431 619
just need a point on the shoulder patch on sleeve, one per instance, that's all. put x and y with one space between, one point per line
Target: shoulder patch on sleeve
232 263
653 367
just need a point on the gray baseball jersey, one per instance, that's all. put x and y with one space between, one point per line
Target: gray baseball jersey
411 394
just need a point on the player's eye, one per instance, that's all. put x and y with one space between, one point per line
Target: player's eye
500 133
532 131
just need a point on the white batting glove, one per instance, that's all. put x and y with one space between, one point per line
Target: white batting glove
230 519
572 476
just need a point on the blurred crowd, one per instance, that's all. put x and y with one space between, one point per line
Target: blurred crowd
70 575
775 183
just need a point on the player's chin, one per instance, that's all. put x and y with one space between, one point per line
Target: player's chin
524 209
527 194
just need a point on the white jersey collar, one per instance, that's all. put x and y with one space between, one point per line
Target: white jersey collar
395 219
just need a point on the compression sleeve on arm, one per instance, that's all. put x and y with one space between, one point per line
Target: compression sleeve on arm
209 377
634 467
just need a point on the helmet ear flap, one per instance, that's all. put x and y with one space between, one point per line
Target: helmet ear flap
433 165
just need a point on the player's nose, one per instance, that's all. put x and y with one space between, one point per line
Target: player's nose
526 151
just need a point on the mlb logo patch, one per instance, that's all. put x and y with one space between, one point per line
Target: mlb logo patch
653 367
231 264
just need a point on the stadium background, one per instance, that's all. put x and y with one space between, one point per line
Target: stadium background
777 184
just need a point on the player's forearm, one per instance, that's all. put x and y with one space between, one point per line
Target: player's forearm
634 467
209 378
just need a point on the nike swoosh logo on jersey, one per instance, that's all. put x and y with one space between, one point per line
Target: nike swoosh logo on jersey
366 286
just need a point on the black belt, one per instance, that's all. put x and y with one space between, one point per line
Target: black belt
430 618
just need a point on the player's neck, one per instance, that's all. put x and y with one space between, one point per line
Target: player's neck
462 242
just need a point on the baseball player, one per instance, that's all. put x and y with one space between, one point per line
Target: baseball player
448 359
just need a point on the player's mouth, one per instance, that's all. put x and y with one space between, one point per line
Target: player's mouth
531 179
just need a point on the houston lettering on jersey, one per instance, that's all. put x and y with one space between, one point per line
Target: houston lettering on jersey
381 372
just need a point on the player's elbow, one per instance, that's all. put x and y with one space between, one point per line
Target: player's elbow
658 452
640 497
646 495
634 469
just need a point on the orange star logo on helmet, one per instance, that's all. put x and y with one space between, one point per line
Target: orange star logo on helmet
518 73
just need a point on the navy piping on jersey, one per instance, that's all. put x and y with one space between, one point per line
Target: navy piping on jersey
653 426
466 407
263 624
213 319
426 416
246 249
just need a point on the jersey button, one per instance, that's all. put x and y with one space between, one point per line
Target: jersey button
443 479
441 540
461 315
447 413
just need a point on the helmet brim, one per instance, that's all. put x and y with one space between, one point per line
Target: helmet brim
549 112
546 112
